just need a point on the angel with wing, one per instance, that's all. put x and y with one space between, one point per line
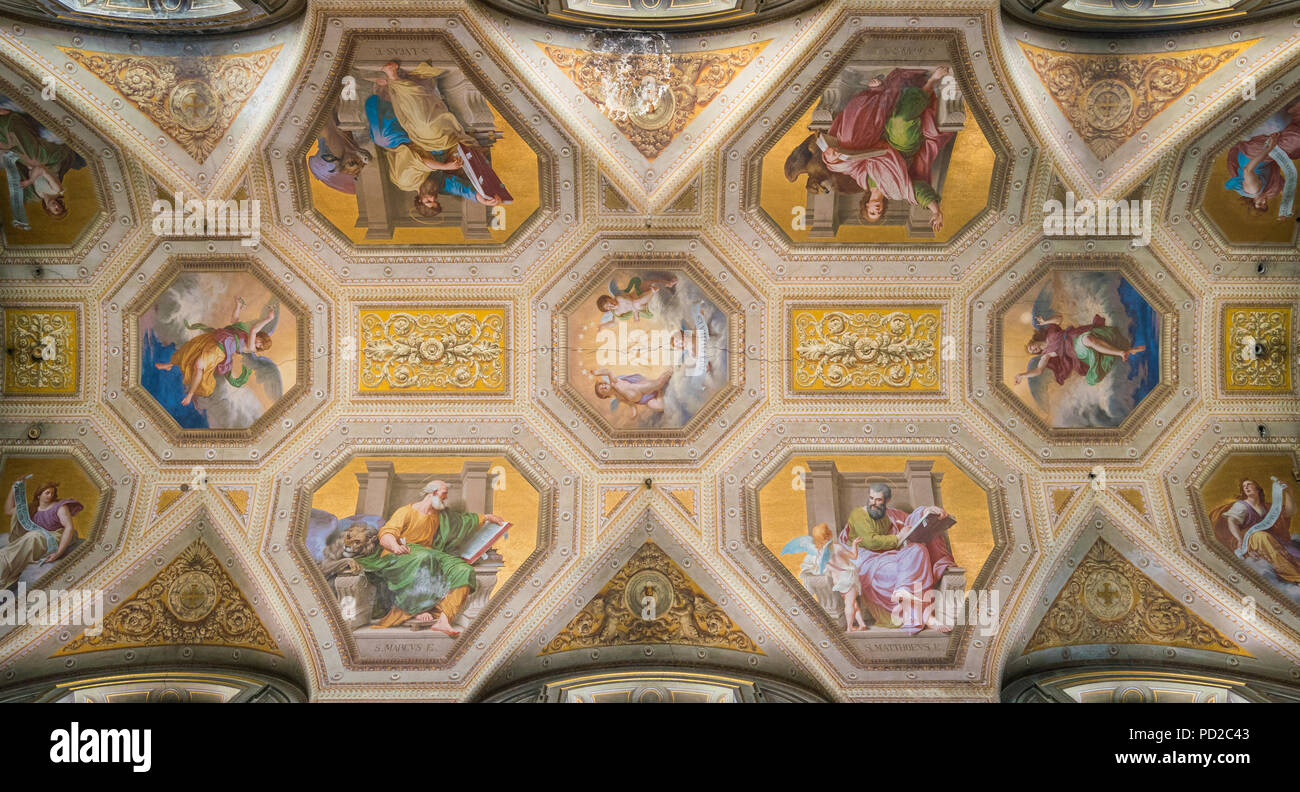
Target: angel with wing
821 554
631 302
211 354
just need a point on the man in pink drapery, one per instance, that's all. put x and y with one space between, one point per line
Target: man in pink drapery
895 573
886 140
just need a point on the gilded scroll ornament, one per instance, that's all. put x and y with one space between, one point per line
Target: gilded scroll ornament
867 350
651 97
651 601
1108 601
1108 98
43 356
192 99
192 601
1257 354
436 350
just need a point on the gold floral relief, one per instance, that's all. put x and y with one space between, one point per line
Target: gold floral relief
651 601
651 97
1108 601
41 351
1256 354
191 601
865 349
444 350
193 100
1108 98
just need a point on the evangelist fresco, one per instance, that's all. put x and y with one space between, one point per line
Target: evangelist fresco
1081 348
419 544
410 152
50 195
1252 187
1249 503
886 154
878 540
51 506
218 349
649 349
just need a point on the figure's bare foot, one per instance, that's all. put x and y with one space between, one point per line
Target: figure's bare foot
442 625
938 626
1134 351
424 618
163 366
186 401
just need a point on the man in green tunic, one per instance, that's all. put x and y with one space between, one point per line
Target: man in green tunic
420 560
34 165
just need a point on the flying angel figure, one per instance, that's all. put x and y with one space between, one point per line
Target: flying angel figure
211 354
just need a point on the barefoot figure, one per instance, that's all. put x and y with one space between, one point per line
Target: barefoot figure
822 555
1090 350
212 353
632 389
419 560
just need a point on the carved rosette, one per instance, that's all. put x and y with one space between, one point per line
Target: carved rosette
1250 329
433 350
43 357
1108 98
651 97
682 612
193 100
866 350
192 601
1108 601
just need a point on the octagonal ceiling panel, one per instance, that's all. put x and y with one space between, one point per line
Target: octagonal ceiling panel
359 477
885 142
1083 347
649 346
1214 209
802 489
417 148
217 356
67 222
1224 492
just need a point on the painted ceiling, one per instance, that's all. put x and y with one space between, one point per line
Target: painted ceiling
676 305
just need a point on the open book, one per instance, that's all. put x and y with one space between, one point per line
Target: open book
825 142
931 527
482 540
480 174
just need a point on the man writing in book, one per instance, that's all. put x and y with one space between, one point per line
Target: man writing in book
420 561
895 570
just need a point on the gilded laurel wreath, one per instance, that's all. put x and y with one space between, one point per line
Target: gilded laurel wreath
432 351
866 350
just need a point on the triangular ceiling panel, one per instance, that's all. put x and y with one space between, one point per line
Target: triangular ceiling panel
193 100
651 601
192 601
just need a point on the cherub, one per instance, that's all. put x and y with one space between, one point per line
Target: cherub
822 553
632 302
632 389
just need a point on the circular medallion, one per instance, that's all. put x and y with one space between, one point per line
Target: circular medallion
1108 104
192 596
193 105
1107 595
655 586
650 105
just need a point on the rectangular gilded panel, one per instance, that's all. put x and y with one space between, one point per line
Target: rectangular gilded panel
1256 354
432 350
43 351
865 349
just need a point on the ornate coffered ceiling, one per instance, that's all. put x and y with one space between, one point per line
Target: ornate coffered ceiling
667 302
